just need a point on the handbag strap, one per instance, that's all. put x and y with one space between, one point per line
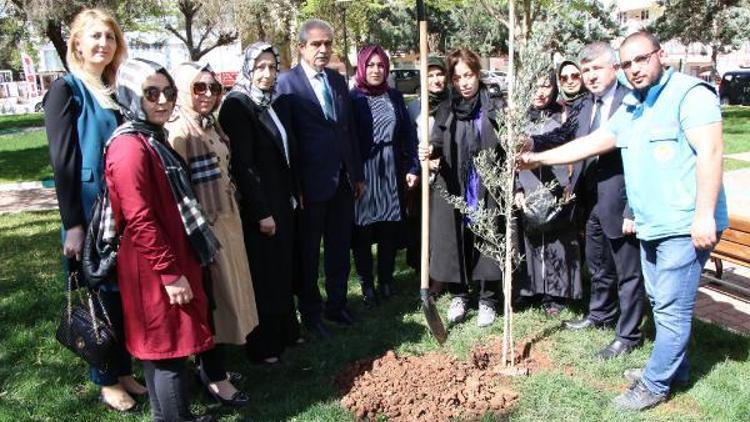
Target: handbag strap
73 278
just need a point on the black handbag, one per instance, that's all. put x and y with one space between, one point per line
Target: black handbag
82 332
99 258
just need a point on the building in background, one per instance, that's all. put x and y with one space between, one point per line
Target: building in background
694 59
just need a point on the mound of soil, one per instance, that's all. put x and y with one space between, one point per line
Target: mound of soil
434 387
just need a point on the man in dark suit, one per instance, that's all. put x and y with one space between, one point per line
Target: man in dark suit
330 171
612 251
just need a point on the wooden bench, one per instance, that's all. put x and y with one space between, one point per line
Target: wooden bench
734 247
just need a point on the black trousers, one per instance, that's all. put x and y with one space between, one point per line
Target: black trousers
385 234
330 221
212 363
167 389
272 335
616 280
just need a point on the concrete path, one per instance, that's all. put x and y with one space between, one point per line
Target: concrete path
26 196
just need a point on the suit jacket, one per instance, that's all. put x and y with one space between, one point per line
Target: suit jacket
605 175
325 146
404 137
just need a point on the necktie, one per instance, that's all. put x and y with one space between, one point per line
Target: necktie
328 109
596 121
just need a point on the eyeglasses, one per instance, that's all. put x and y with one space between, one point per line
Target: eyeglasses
200 88
152 93
572 77
641 60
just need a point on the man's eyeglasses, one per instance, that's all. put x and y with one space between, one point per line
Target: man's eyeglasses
573 77
152 93
641 60
200 88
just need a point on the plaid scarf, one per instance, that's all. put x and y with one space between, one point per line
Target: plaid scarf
202 239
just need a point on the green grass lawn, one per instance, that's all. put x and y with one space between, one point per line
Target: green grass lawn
24 156
41 381
736 129
21 120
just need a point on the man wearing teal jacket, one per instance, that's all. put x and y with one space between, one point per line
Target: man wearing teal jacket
669 130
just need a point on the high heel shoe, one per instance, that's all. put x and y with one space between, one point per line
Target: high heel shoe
238 399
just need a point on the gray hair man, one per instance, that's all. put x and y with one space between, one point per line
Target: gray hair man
612 252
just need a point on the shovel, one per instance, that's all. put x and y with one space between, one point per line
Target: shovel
428 303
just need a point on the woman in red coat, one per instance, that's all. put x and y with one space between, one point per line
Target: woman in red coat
162 244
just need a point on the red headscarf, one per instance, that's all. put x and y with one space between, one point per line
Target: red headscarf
360 79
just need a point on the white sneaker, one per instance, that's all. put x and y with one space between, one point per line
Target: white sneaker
486 315
457 310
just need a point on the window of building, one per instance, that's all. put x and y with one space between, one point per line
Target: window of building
644 15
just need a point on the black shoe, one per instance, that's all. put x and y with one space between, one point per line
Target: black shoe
342 317
318 331
369 297
638 397
582 324
615 349
238 399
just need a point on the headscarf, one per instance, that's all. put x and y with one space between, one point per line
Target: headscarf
184 76
435 98
244 85
552 106
130 78
569 98
360 78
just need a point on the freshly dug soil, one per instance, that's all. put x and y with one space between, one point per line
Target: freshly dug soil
434 387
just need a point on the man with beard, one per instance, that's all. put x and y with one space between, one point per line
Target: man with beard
669 131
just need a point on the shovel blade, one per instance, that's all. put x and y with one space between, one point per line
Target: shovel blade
433 317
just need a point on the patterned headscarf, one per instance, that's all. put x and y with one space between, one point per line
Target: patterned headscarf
360 79
244 85
130 78
184 76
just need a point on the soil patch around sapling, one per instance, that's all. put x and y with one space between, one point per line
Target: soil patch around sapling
434 386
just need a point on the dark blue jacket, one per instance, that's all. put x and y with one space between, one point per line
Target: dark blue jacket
404 136
325 146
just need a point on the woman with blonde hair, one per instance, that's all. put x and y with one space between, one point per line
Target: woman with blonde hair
80 115
199 140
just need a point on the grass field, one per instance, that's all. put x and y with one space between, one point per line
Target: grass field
41 381
20 121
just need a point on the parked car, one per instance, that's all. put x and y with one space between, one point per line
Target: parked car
405 80
735 88
495 82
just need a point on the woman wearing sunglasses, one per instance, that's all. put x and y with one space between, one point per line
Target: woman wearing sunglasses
196 136
164 240
80 114
571 85
263 168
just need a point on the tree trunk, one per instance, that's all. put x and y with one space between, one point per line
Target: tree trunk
54 33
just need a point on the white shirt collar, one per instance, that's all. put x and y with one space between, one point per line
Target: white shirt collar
610 94
309 71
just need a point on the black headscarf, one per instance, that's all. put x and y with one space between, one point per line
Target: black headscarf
435 98
552 107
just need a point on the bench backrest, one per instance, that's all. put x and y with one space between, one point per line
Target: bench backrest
735 241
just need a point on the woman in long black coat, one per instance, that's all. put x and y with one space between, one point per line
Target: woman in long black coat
460 132
262 166
552 252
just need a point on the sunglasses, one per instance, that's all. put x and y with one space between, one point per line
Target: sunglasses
572 77
641 60
152 93
200 88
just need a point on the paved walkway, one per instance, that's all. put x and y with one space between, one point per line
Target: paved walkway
723 306
26 196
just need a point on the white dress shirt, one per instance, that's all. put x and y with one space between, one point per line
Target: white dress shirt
607 99
317 84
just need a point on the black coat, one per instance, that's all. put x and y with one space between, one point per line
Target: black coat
453 259
266 184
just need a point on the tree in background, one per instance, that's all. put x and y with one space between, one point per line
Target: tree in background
269 21
582 21
721 25
50 19
204 25
12 34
